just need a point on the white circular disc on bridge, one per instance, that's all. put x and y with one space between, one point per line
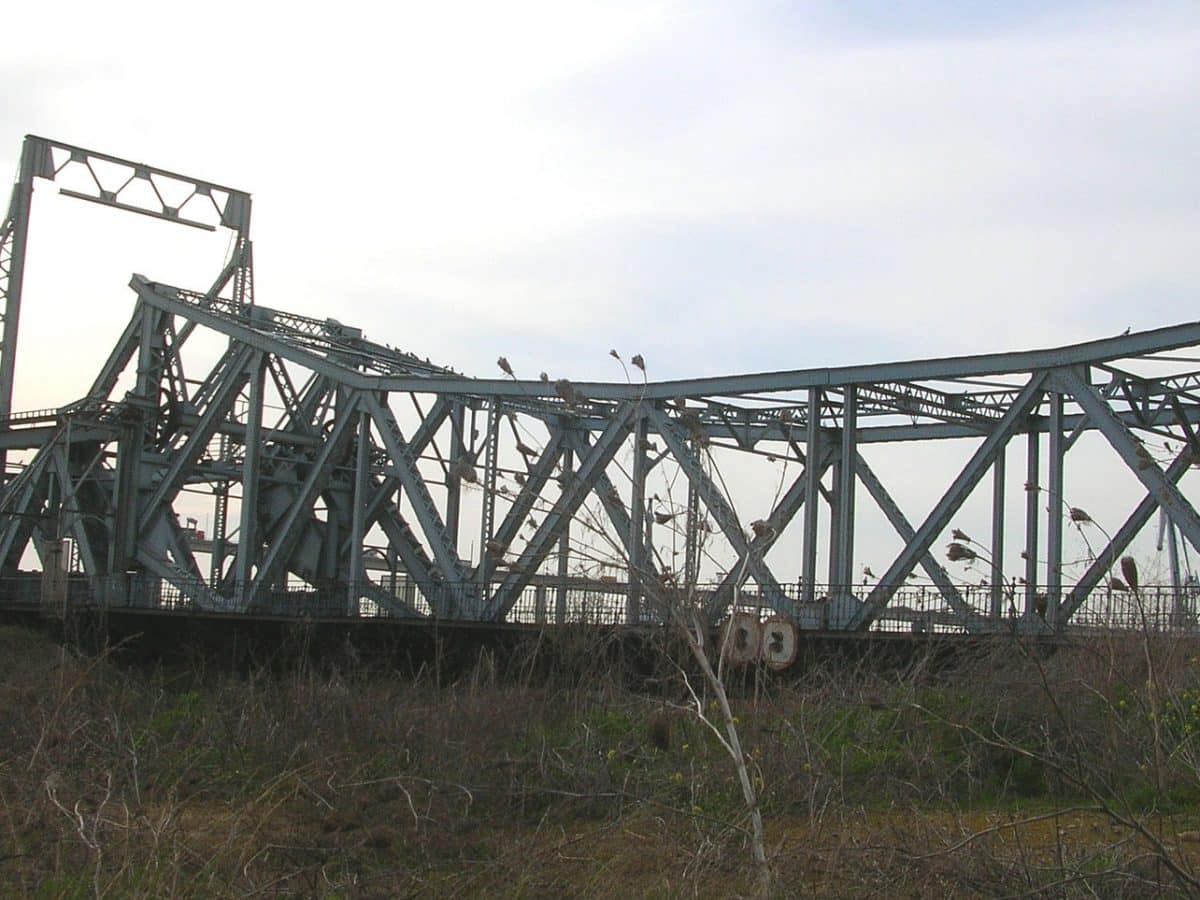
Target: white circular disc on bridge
780 641
741 638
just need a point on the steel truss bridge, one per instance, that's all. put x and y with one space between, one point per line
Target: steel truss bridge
344 476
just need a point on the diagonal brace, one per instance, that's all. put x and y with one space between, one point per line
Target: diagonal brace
726 518
414 485
904 528
1134 455
1107 557
783 513
288 531
578 486
937 520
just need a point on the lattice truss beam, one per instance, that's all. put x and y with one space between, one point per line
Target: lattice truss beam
340 467
345 473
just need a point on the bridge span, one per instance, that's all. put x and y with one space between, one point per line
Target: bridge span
347 479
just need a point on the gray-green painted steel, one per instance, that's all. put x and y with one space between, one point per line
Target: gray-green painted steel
303 429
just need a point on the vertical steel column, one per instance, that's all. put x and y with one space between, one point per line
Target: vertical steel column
129 451
33 162
847 482
648 556
487 514
539 604
151 342
243 277
1055 511
132 444
247 544
833 501
362 470
691 546
329 557
392 564
458 450
220 522
637 525
1033 473
812 494
1178 607
997 548
564 546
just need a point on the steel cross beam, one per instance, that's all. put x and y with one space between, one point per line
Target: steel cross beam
386 489
232 379
908 534
21 496
813 443
287 532
781 516
14 235
491 449
523 504
1134 455
610 500
935 523
553 524
1107 558
434 528
417 564
718 505
76 524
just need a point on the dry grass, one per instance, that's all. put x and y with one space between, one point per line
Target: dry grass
1008 775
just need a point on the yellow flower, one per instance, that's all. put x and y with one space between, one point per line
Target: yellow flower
685 747
677 777
696 809
612 754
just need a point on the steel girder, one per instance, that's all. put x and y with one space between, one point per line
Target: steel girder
348 477
323 448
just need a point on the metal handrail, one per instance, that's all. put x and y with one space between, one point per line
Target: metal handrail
549 600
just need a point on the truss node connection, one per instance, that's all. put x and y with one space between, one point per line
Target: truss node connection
344 477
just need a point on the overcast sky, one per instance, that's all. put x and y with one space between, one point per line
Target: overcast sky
720 187
726 187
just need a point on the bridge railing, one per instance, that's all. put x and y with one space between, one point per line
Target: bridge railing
913 609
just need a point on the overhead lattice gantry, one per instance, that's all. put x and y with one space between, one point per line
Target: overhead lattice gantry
351 478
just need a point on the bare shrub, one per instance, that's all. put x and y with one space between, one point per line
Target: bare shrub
1003 769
